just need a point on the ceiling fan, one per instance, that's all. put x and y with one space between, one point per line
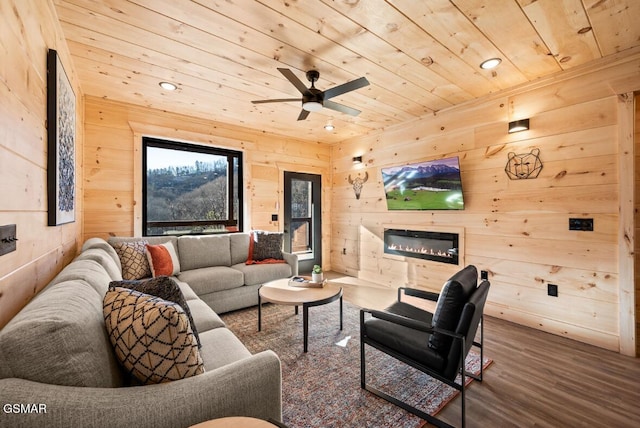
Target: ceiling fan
314 99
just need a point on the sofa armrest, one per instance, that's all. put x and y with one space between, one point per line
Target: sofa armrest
292 260
248 387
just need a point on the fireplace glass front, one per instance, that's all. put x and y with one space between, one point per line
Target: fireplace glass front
436 246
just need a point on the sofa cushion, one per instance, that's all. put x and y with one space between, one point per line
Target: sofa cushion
187 291
87 271
204 251
204 317
152 337
212 279
101 244
113 269
133 258
221 347
163 287
163 259
59 338
261 273
239 247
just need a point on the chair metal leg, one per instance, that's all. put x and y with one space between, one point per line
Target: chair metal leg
479 345
462 378
420 413
362 359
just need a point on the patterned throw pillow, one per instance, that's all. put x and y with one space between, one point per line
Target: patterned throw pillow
265 246
133 259
166 289
151 337
163 259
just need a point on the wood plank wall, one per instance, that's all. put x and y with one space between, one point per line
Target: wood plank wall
27 29
637 220
113 136
517 230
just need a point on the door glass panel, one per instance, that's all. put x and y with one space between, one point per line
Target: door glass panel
302 218
301 227
300 242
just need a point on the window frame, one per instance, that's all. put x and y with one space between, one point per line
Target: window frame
208 150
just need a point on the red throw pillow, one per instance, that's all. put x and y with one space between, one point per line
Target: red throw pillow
163 259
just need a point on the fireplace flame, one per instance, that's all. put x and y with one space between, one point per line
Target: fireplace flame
421 250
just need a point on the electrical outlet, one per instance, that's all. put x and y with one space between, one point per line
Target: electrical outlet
484 274
552 290
344 251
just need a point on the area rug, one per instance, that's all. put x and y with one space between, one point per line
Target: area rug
322 387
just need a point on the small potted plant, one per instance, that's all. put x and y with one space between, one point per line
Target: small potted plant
316 274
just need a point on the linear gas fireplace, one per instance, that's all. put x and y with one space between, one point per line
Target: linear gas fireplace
436 246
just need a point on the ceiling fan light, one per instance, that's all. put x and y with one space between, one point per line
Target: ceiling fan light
312 106
490 63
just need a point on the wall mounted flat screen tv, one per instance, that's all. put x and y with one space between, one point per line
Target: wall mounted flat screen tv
430 185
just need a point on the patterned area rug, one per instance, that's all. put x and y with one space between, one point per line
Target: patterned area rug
322 387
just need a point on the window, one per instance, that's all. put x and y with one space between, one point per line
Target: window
190 189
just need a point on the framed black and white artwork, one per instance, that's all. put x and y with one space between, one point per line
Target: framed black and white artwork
61 134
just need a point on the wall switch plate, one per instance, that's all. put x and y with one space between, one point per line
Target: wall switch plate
552 290
584 224
274 217
484 274
8 239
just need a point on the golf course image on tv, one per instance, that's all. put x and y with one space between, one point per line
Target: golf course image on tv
429 185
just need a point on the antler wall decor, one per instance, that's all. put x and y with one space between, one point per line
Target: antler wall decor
358 182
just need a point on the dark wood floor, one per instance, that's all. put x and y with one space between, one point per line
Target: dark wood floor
538 379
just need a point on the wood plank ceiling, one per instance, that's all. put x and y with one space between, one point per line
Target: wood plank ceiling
420 56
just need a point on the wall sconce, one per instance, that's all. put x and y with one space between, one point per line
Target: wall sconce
518 125
357 159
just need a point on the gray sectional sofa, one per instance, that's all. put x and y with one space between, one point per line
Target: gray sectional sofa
58 367
214 267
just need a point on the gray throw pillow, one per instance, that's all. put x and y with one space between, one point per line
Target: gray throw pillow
163 287
267 245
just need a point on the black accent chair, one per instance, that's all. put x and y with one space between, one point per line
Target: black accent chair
436 344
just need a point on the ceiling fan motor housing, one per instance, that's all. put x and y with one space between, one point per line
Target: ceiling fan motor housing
312 95
313 76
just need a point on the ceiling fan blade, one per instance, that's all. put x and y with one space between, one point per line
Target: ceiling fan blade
346 87
281 100
341 108
303 115
293 79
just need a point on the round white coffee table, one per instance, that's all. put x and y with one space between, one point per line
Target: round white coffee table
281 293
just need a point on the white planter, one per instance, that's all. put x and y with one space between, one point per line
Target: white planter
316 277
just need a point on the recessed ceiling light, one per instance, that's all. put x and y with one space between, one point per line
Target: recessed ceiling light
168 86
329 127
490 63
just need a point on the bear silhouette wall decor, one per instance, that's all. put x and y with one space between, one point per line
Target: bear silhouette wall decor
522 166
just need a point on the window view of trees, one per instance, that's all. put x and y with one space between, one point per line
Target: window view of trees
190 189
